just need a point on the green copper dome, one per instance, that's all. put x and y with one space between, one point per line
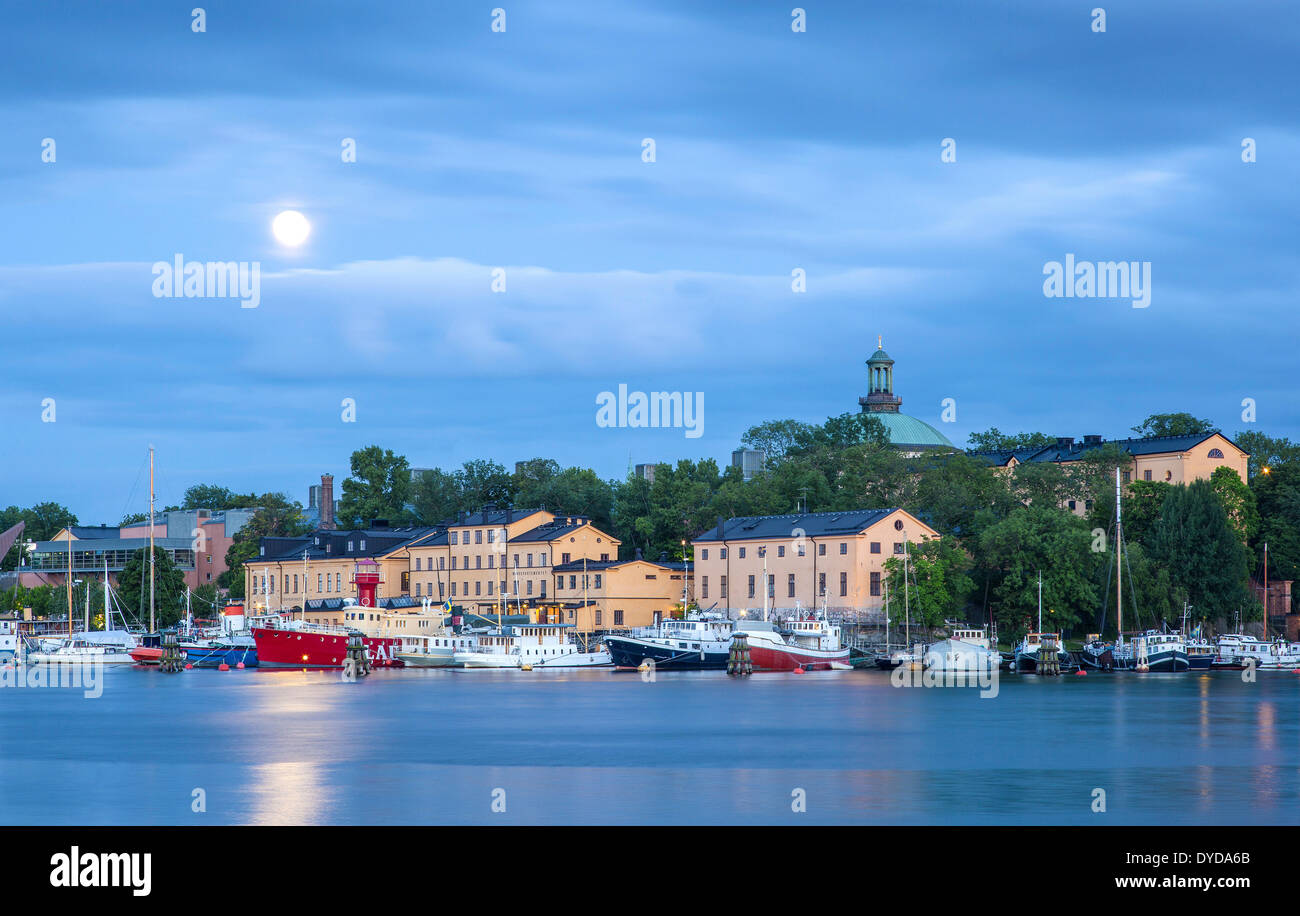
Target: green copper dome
905 430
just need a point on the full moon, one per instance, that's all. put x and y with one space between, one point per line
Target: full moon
290 228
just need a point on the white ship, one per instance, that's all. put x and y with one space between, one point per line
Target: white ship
1238 651
534 645
966 651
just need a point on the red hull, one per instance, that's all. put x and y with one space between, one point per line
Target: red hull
769 658
146 656
292 649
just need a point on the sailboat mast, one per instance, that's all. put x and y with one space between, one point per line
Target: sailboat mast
764 585
88 581
69 583
108 611
1040 601
1119 576
152 628
907 609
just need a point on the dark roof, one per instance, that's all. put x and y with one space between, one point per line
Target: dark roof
333 544
562 525
814 524
95 532
491 516
1073 450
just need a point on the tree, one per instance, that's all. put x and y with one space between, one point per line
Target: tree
1040 539
1042 483
169 587
378 488
214 497
960 495
1238 501
436 497
484 483
277 516
1194 539
1266 452
1173 424
994 440
133 518
938 582
777 438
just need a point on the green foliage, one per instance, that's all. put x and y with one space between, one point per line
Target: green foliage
994 440
1194 539
378 488
1266 452
169 588
1047 540
214 497
1173 424
1238 501
938 582
43 521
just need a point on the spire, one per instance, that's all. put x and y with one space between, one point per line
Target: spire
880 376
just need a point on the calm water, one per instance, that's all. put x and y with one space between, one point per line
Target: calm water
274 747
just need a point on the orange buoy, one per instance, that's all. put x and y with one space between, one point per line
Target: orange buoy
188 666
223 667
239 665
798 669
1081 673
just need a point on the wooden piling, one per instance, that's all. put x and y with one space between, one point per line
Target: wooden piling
738 660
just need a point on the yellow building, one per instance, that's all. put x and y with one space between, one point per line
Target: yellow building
1167 459
835 558
620 594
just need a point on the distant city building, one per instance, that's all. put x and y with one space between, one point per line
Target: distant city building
749 460
195 539
646 472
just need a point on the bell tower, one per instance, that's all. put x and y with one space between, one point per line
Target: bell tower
880 388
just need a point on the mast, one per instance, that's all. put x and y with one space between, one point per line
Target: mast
764 585
303 616
69 583
1266 588
108 611
586 594
1119 575
152 628
88 580
1040 601
907 610
886 612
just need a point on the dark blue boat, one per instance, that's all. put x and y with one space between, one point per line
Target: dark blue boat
220 652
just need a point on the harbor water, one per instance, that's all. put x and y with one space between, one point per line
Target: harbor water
600 747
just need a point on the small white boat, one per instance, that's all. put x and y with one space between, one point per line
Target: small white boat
966 651
1237 651
536 645
434 651
112 647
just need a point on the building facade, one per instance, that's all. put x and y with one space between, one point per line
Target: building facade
809 560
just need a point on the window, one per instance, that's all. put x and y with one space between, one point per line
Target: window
780 550
492 561
789 585
722 553
875 547
453 562
802 548
875 584
530 586
1215 453
490 584
417 564
771 585
363 543
1169 475
1071 505
704 554
516 561
559 583
618 618
604 557
442 562
821 550
453 589
492 536
1128 476
751 586
320 580
455 537
597 618
543 561
478 561
1146 475
530 559
722 586
844 547
478 588
1087 505
417 589
821 583
478 536
543 588
844 584
564 558
704 586
742 553
597 580
573 582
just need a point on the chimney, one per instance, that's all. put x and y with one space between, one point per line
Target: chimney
510 514
1092 440
1065 441
327 502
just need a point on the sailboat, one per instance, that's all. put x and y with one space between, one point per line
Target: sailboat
1033 645
909 655
105 647
1153 650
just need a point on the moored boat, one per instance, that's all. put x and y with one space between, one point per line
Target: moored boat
701 641
966 651
809 641
536 645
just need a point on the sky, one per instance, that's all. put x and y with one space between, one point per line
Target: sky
522 151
